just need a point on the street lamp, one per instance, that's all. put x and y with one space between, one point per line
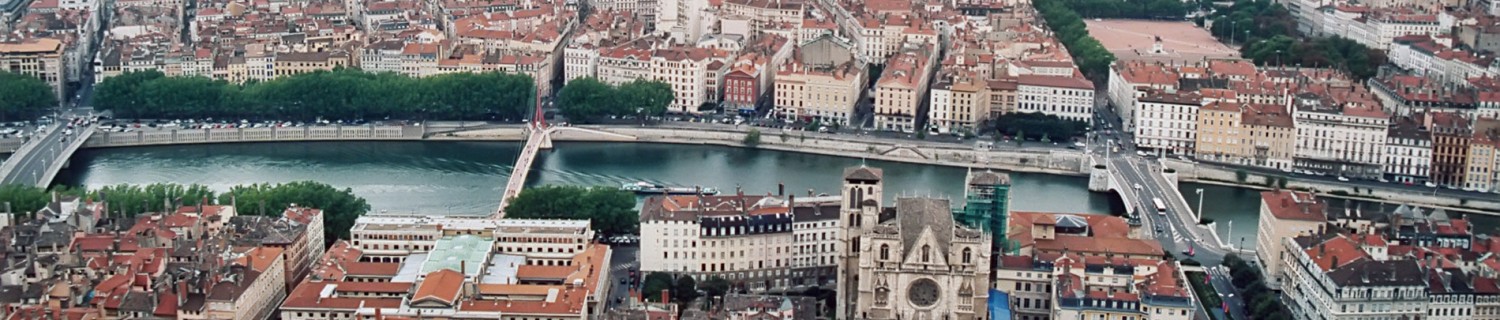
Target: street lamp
1200 204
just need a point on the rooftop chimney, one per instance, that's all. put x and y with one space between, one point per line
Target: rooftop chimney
664 296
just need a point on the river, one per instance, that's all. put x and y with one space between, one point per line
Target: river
466 178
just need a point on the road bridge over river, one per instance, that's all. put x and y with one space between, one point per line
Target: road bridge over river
37 162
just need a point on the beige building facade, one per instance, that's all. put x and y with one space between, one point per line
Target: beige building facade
40 58
1484 157
1270 138
900 91
1219 132
821 81
959 102
1283 215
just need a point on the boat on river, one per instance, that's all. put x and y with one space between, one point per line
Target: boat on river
647 188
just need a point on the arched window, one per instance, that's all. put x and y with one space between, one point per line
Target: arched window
926 253
885 252
967 255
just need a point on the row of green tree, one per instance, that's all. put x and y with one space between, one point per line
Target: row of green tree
343 93
588 99
1090 56
1259 299
340 206
611 210
1130 9
1269 34
23 96
1037 126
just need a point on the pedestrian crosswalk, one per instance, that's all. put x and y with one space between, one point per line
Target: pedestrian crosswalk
623 267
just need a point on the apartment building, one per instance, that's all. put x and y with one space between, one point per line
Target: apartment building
604 28
878 36
820 82
291 63
37 57
750 76
959 102
1028 283
627 62
1436 59
1403 94
1091 290
1270 139
765 15
739 238
1341 132
1129 80
902 88
1219 132
1087 266
1408 150
1167 122
1336 276
642 8
1067 97
1002 96
1377 28
689 72
684 21
815 240
1283 215
1484 157
1451 133
745 83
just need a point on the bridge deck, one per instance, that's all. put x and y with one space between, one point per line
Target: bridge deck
36 163
523 166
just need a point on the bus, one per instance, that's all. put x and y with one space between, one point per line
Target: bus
1160 208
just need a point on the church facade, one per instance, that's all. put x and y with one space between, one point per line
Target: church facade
910 260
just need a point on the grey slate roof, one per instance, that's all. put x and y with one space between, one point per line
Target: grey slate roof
863 173
1367 273
59 234
915 214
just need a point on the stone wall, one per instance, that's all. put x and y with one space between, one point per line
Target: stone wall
230 135
1065 162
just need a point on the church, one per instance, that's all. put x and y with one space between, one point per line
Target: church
910 260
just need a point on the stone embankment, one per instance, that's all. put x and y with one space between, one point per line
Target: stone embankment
1053 161
150 137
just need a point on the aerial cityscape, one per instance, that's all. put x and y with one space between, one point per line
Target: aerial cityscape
749 159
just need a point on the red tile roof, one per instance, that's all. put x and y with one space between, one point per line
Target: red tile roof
442 285
1335 252
1292 205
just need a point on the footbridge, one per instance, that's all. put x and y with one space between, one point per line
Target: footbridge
538 137
37 162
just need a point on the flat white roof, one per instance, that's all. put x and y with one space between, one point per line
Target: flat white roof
502 269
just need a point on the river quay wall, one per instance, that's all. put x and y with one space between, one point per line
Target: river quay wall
153 137
1062 162
1038 160
1211 174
